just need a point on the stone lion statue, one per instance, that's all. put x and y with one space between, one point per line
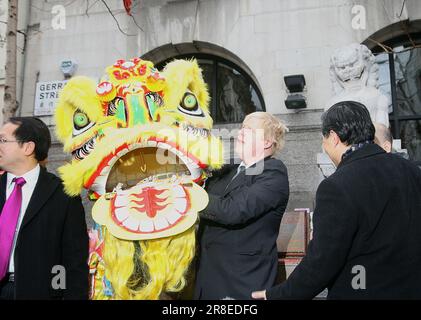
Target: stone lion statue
354 76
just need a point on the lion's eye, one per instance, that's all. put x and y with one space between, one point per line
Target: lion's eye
190 105
80 120
81 123
189 102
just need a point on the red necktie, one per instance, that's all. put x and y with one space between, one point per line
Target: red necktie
8 221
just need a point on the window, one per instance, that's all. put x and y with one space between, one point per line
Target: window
403 69
233 93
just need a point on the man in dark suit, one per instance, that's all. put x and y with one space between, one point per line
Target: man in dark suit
367 220
43 234
240 225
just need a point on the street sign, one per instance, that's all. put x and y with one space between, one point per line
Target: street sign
46 96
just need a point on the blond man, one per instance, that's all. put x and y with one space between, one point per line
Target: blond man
240 225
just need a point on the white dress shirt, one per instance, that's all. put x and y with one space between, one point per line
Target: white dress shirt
31 178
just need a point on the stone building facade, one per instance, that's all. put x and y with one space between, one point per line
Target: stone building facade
265 39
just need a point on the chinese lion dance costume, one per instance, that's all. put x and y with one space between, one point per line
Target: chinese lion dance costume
141 145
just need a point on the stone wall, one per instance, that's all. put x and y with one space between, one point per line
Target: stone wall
274 38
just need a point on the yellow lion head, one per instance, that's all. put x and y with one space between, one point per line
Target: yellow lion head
141 144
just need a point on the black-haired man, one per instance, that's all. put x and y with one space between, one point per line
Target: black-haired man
43 236
367 220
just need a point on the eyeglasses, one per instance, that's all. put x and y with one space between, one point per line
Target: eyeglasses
4 140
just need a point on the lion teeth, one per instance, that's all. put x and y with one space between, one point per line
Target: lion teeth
122 152
173 217
195 131
161 223
131 223
105 170
85 149
121 214
121 201
151 143
146 226
180 205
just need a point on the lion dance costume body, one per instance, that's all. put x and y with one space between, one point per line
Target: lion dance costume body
141 145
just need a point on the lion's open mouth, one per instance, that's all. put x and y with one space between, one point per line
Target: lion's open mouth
145 164
140 162
148 190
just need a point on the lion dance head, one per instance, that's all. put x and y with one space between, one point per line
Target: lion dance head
141 145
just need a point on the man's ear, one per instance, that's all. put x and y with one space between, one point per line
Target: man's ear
29 148
268 144
387 146
335 138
